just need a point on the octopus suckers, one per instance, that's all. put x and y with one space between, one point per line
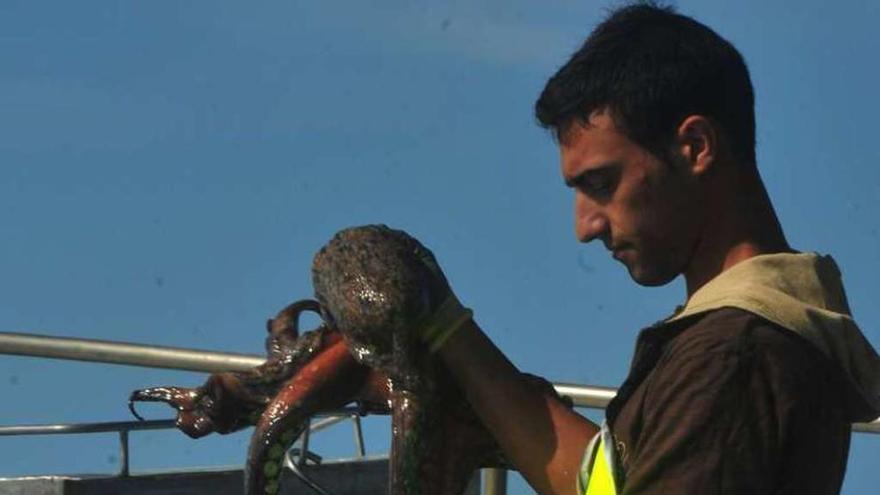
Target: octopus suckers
276 451
271 469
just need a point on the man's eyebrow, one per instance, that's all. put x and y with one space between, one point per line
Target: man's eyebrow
586 173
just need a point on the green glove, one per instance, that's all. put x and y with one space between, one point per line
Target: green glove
447 318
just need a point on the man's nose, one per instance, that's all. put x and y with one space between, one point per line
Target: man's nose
590 221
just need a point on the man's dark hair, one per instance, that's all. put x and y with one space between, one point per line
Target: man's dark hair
652 67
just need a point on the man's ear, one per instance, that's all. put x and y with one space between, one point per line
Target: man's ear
697 142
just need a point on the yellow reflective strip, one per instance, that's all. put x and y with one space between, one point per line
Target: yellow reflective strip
601 481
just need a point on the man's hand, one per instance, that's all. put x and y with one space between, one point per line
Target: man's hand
385 292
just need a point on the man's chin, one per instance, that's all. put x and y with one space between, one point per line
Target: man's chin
650 278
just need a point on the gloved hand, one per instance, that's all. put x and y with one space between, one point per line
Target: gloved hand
450 316
384 291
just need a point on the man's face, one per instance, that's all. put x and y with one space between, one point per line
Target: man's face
646 211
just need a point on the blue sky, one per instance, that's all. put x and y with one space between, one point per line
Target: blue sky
167 171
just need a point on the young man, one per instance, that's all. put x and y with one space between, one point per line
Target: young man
751 386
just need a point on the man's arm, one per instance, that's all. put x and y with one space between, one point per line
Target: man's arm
542 437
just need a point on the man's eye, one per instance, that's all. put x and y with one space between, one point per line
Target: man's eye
598 185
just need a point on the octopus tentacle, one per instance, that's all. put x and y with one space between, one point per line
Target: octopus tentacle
283 329
372 290
378 285
331 380
231 401
178 397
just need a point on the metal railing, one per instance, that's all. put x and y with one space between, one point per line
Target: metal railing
152 356
328 418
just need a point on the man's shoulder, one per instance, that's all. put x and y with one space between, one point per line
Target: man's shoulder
730 354
728 334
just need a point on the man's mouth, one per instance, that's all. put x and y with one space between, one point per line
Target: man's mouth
619 253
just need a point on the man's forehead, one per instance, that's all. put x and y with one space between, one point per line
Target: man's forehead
598 119
588 144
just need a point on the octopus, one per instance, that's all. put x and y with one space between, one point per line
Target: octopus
373 285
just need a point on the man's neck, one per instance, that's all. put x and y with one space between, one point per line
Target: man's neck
743 225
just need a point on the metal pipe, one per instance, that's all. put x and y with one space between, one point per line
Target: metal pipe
103 351
358 435
304 444
494 481
329 418
123 453
70 428
150 356
586 395
326 423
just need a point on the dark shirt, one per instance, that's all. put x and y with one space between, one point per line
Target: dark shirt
730 403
